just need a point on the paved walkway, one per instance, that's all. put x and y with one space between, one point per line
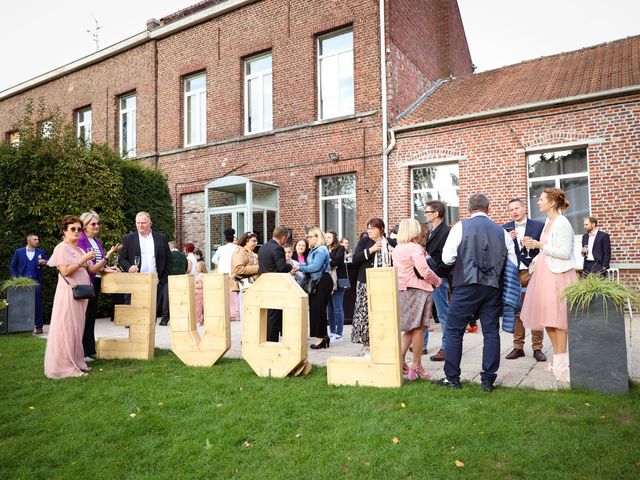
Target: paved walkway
523 372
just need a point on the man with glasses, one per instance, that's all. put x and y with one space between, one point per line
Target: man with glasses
437 237
27 262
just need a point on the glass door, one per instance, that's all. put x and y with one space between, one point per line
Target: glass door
218 222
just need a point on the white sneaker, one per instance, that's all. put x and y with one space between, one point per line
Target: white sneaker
88 359
332 336
337 338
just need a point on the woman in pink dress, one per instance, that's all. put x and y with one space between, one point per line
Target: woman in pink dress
552 270
64 354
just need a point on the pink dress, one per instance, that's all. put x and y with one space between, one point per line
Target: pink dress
199 300
64 354
542 307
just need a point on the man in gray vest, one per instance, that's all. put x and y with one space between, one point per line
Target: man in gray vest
479 248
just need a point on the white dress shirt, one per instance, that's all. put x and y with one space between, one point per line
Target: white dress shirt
222 257
521 228
450 249
31 254
147 253
592 239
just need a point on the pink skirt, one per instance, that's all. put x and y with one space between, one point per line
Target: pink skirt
542 306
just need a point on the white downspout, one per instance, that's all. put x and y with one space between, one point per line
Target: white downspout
383 86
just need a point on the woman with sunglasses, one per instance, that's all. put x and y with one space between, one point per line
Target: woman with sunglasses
64 354
89 242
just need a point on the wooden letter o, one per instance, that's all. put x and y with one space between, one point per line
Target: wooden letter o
186 342
281 292
140 316
383 369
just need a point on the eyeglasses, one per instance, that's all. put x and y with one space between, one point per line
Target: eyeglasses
94 224
429 211
75 229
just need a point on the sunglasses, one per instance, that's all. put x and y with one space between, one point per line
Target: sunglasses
95 224
75 229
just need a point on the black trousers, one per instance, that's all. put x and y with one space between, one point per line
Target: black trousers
318 307
88 336
274 325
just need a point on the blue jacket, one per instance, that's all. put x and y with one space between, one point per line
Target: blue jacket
317 262
21 266
510 296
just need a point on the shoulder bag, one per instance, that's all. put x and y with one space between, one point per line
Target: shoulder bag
80 292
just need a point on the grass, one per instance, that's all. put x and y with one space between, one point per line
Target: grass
160 419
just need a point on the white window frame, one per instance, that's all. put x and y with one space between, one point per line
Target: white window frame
130 114
557 178
433 191
260 77
86 138
321 115
340 230
199 127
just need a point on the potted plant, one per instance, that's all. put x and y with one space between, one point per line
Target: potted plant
597 341
21 311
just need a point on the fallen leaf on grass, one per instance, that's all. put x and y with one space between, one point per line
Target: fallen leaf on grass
101 369
218 405
588 404
246 444
603 417
344 469
395 440
298 435
207 444
160 403
459 464
366 464
132 415
32 408
402 405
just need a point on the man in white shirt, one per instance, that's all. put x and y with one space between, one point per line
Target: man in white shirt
222 259
596 248
479 248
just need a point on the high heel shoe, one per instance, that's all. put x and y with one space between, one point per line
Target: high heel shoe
323 344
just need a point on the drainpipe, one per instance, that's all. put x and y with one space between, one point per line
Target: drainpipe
383 87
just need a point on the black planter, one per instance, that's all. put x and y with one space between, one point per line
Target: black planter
598 348
22 309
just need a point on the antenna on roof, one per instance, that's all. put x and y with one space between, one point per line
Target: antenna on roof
94 33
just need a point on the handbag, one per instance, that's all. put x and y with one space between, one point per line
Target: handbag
244 283
344 283
80 292
310 286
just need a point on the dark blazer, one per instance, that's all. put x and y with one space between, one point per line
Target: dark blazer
271 259
131 249
362 259
435 243
21 266
337 261
534 230
601 251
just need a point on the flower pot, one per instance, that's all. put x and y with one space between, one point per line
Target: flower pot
598 348
21 312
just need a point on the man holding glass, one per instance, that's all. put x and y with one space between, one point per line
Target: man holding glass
519 228
147 251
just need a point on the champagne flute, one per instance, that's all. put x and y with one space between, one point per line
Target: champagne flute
524 241
136 262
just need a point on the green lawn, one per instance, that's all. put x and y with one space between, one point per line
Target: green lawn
160 419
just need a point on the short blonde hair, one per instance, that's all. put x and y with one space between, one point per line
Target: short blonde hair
201 267
408 230
86 218
319 233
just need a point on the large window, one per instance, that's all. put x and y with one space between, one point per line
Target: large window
564 169
258 98
128 126
83 125
335 67
195 110
338 206
435 182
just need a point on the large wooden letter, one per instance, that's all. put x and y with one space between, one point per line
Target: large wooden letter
383 369
140 316
275 359
186 342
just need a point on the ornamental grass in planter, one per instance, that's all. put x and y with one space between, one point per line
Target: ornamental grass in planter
597 341
20 314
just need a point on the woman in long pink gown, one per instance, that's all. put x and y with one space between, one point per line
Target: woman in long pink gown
64 354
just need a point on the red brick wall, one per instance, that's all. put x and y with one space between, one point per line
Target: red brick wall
494 162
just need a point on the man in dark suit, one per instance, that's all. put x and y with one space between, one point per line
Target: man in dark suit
434 212
596 248
478 249
271 259
27 262
520 227
153 249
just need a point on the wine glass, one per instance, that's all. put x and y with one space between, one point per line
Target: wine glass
525 240
136 262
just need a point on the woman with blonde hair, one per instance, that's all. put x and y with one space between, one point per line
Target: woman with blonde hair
318 269
552 270
415 282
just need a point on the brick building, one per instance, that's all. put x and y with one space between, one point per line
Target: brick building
570 120
279 92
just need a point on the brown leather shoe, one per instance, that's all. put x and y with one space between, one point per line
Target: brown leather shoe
515 353
539 356
38 331
438 357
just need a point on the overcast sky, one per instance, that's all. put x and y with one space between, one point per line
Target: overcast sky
40 35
